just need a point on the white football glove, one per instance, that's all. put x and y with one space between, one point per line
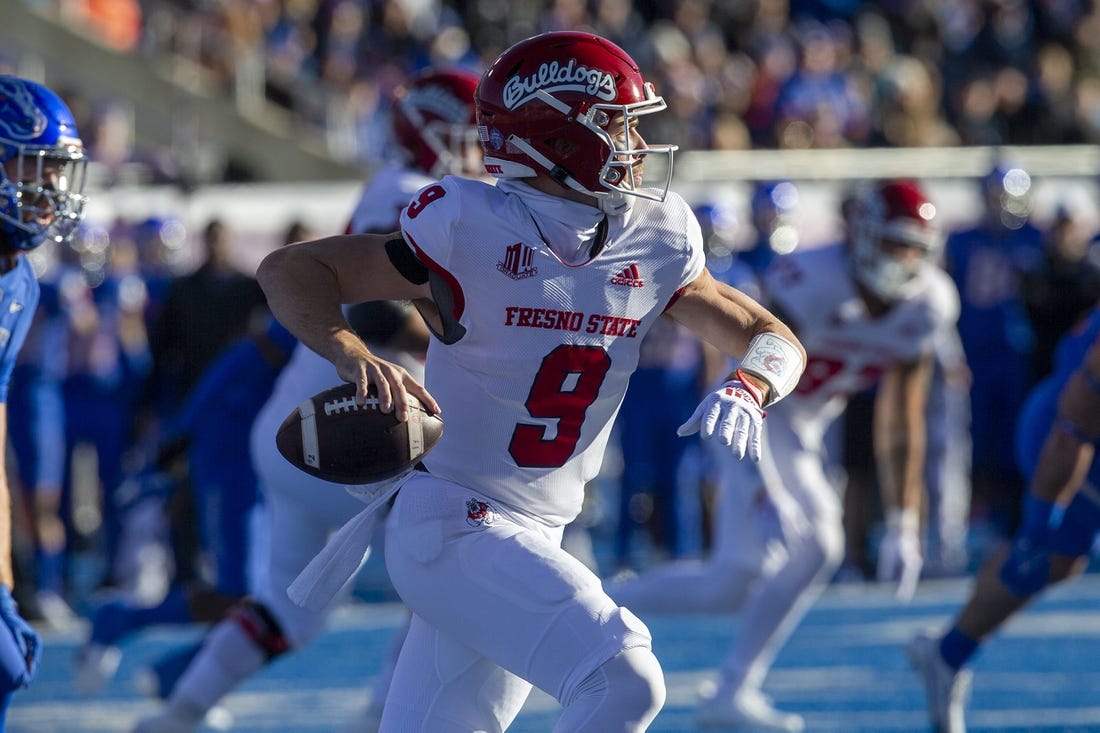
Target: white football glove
734 413
899 555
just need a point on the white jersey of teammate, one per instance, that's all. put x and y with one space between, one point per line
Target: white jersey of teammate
531 434
386 194
775 547
846 351
846 348
302 510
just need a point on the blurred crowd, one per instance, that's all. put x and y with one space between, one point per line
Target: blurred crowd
772 73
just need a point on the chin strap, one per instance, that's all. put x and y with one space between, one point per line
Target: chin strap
615 204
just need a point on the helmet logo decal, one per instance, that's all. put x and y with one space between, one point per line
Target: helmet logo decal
20 118
438 101
493 137
553 77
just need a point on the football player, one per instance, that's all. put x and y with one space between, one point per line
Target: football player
988 262
1056 440
42 166
545 286
866 310
433 125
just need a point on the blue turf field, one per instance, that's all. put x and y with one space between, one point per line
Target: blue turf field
844 669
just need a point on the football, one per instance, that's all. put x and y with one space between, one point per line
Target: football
333 438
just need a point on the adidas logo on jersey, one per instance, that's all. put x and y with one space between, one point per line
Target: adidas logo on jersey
629 277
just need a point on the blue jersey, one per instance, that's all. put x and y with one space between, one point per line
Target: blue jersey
987 267
1042 403
19 291
218 416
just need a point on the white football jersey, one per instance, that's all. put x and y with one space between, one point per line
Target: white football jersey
530 391
847 349
388 192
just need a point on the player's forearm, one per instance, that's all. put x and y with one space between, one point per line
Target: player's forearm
725 317
900 440
730 321
303 295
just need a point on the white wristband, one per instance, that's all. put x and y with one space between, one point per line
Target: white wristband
775 360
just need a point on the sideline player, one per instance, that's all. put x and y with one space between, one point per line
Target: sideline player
866 309
41 184
211 430
1056 446
545 286
433 125
988 262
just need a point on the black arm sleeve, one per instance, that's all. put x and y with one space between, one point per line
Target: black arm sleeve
376 321
403 259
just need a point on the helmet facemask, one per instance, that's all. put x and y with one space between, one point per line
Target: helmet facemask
41 192
617 173
890 278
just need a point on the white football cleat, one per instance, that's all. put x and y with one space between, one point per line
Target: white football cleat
747 709
946 691
96 665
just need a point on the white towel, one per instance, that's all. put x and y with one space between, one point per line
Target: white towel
334 565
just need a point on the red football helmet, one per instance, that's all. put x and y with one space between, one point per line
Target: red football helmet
889 220
563 103
433 120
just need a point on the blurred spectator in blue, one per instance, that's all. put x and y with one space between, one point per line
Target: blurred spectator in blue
821 105
621 22
988 262
998 73
161 246
109 360
906 106
776 59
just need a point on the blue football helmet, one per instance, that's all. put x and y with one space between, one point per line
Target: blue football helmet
1008 194
775 207
42 166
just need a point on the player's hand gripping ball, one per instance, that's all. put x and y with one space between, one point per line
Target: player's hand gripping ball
333 438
